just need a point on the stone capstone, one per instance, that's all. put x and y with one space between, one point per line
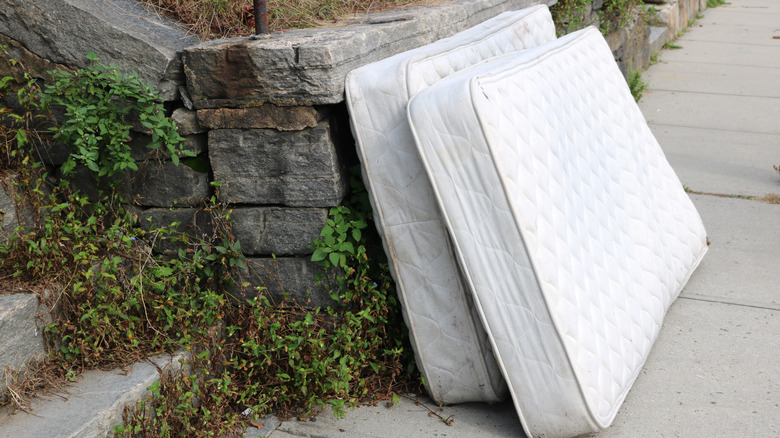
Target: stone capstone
267 166
292 118
34 65
309 66
291 278
122 32
278 230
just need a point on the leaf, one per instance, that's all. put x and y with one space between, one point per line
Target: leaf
21 138
347 247
320 254
256 424
334 259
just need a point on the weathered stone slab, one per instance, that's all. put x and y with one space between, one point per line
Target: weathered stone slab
163 184
21 341
291 118
630 46
658 37
94 404
267 166
260 230
119 31
291 278
308 67
676 14
187 122
278 230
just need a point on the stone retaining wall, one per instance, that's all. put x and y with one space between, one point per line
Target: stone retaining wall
265 115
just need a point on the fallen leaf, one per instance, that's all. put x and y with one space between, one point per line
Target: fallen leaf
256 424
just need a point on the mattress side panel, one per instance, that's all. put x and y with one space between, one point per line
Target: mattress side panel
496 265
450 344
611 233
448 355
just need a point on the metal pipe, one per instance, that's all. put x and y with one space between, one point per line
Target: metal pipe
261 18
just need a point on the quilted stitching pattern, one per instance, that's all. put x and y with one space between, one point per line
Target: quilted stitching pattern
569 200
452 348
425 72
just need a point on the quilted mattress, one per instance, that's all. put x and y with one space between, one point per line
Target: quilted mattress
574 233
450 345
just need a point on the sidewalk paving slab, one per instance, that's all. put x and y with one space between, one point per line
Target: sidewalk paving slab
407 419
711 30
714 111
693 77
712 373
741 266
720 161
729 53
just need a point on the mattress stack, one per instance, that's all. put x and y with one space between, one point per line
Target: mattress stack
535 230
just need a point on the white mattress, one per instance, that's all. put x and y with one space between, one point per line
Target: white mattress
451 347
573 231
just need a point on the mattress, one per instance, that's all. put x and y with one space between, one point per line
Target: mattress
451 348
573 232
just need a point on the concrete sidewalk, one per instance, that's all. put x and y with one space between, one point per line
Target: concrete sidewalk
714 105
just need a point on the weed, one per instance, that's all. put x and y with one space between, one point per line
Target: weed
770 198
716 3
619 14
570 15
636 84
671 46
98 102
119 301
654 58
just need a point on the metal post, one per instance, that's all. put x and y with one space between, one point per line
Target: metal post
261 19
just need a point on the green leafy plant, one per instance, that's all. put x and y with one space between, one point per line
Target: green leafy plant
570 15
654 58
671 46
118 300
716 3
619 14
98 103
636 84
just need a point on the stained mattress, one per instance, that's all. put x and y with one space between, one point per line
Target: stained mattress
574 233
451 347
